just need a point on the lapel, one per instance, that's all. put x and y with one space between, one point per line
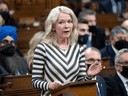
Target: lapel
111 54
120 83
101 85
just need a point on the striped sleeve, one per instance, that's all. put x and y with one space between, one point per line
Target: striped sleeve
38 68
82 73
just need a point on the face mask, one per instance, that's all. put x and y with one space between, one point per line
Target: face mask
92 29
121 44
82 39
87 5
8 50
88 65
125 71
5 15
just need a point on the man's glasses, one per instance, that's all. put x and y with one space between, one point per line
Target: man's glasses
125 63
92 61
120 38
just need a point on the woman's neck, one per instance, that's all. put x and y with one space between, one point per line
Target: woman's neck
62 44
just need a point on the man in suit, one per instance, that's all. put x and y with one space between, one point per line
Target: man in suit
117 7
118 41
117 85
92 56
99 38
112 6
83 31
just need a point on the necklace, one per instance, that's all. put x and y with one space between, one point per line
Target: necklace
63 48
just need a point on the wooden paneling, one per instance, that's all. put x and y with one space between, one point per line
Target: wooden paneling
127 6
107 71
24 37
105 62
107 20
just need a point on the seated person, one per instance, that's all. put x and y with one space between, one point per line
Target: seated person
10 61
118 39
117 85
92 56
83 32
4 12
99 37
112 6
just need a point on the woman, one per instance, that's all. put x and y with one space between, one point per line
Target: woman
58 58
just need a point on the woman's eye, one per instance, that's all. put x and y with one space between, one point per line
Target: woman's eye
60 22
69 21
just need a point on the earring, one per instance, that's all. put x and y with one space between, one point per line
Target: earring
53 30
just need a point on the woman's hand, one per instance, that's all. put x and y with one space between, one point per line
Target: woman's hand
94 69
54 85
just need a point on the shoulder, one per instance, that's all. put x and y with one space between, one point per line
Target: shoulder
77 48
104 2
100 29
40 47
41 44
104 50
108 78
123 2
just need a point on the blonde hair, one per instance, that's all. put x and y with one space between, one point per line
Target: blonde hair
1 21
50 35
37 38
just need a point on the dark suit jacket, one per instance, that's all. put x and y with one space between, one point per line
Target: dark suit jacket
115 86
106 6
108 51
102 86
99 38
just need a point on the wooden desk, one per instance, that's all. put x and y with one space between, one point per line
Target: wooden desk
107 71
21 86
84 88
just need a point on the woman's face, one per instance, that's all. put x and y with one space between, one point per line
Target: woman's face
63 26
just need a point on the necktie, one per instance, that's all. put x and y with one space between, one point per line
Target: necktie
97 89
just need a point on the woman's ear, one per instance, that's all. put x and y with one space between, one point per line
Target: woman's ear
53 29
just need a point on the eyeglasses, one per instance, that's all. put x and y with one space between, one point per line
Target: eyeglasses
125 63
7 42
93 61
120 38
